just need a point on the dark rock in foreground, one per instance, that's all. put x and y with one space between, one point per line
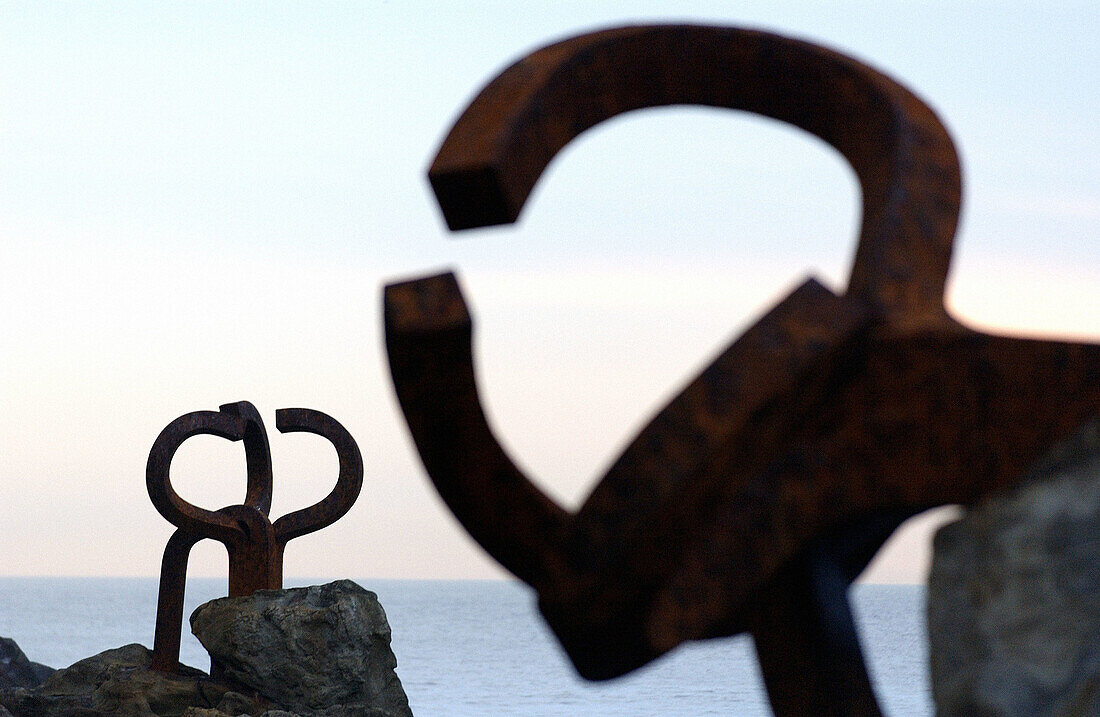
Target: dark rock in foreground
322 650
1014 595
16 670
119 683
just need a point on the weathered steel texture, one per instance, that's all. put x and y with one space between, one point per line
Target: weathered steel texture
255 545
756 496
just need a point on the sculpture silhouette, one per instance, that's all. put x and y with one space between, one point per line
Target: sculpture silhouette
255 544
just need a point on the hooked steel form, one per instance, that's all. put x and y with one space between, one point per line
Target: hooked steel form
255 544
753 499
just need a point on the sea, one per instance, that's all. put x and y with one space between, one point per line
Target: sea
481 647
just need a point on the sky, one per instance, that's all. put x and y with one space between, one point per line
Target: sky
201 202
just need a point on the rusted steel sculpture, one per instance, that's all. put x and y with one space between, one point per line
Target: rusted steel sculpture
753 499
255 544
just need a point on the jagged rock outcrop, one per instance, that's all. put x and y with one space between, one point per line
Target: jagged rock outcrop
119 683
321 651
1014 595
16 670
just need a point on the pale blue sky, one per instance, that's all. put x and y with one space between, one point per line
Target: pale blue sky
200 202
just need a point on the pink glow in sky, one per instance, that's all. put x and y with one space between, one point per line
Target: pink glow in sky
200 203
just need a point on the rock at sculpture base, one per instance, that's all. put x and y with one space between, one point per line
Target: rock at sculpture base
1014 595
119 683
321 651
16 670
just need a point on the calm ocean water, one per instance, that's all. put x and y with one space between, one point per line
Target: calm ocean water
480 647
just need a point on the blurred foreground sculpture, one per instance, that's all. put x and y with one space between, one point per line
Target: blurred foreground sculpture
753 499
255 544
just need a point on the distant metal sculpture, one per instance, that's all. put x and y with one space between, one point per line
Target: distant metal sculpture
255 544
755 497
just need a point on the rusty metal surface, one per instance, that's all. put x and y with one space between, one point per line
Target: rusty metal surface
753 499
255 545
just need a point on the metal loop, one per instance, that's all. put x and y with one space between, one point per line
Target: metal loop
348 485
906 163
168 503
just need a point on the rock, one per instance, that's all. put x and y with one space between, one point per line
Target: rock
234 703
321 650
118 683
16 670
309 652
1014 594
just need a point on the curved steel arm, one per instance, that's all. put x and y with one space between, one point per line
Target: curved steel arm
905 161
350 481
257 455
168 503
428 341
